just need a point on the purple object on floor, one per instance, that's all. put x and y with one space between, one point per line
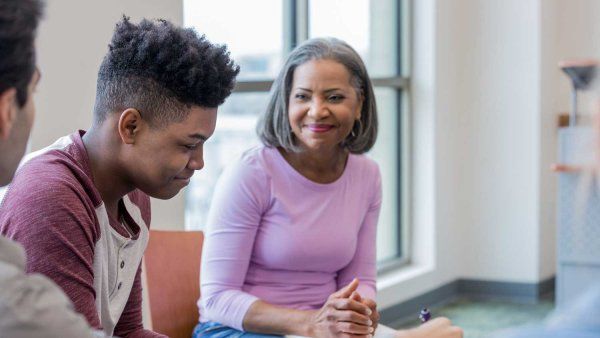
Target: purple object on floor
424 315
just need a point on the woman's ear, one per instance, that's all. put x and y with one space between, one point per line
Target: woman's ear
361 101
8 112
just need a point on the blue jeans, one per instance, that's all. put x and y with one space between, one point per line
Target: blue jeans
216 330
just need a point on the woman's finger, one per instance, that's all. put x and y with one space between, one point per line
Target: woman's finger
352 305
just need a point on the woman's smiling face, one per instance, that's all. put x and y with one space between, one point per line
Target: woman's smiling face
323 105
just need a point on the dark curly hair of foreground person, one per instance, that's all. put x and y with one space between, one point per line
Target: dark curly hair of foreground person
161 69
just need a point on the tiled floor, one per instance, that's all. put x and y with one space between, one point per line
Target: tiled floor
480 318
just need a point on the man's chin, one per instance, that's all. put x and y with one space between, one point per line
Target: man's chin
164 194
166 191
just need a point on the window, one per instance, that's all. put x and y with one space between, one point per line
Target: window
260 34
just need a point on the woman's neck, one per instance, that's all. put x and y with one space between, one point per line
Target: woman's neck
318 166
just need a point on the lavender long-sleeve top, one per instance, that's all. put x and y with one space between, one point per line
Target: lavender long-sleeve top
274 235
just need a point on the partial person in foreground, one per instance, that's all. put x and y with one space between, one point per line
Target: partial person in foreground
81 207
580 319
31 305
290 240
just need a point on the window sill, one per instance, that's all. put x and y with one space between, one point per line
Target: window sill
406 272
402 283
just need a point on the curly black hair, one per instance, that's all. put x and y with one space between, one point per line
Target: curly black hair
18 24
161 70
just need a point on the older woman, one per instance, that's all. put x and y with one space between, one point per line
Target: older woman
290 244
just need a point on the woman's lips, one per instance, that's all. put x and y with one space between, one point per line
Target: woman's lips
319 128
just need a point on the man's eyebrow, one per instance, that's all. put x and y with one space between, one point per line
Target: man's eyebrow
198 136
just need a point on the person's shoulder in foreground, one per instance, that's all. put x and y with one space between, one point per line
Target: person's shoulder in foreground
32 305
579 319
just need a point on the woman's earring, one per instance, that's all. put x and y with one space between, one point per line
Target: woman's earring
353 133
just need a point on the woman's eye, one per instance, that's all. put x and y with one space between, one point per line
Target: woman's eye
300 96
191 146
336 98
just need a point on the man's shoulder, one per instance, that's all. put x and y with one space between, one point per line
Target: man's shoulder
49 191
49 166
53 175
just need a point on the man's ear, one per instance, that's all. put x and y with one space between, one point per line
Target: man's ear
8 112
129 126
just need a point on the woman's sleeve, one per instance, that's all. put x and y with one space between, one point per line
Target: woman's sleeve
363 265
240 197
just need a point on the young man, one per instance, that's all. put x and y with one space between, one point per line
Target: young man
30 305
81 208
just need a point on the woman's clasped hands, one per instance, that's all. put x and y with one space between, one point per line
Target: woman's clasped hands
345 314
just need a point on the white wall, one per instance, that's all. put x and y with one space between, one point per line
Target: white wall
512 91
72 40
499 91
486 92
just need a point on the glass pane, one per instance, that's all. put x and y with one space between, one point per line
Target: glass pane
253 31
235 133
385 152
370 27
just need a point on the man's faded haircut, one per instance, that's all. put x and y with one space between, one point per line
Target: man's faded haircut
162 70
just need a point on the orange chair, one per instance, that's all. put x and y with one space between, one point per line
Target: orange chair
172 262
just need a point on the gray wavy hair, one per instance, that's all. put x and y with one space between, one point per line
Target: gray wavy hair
274 128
